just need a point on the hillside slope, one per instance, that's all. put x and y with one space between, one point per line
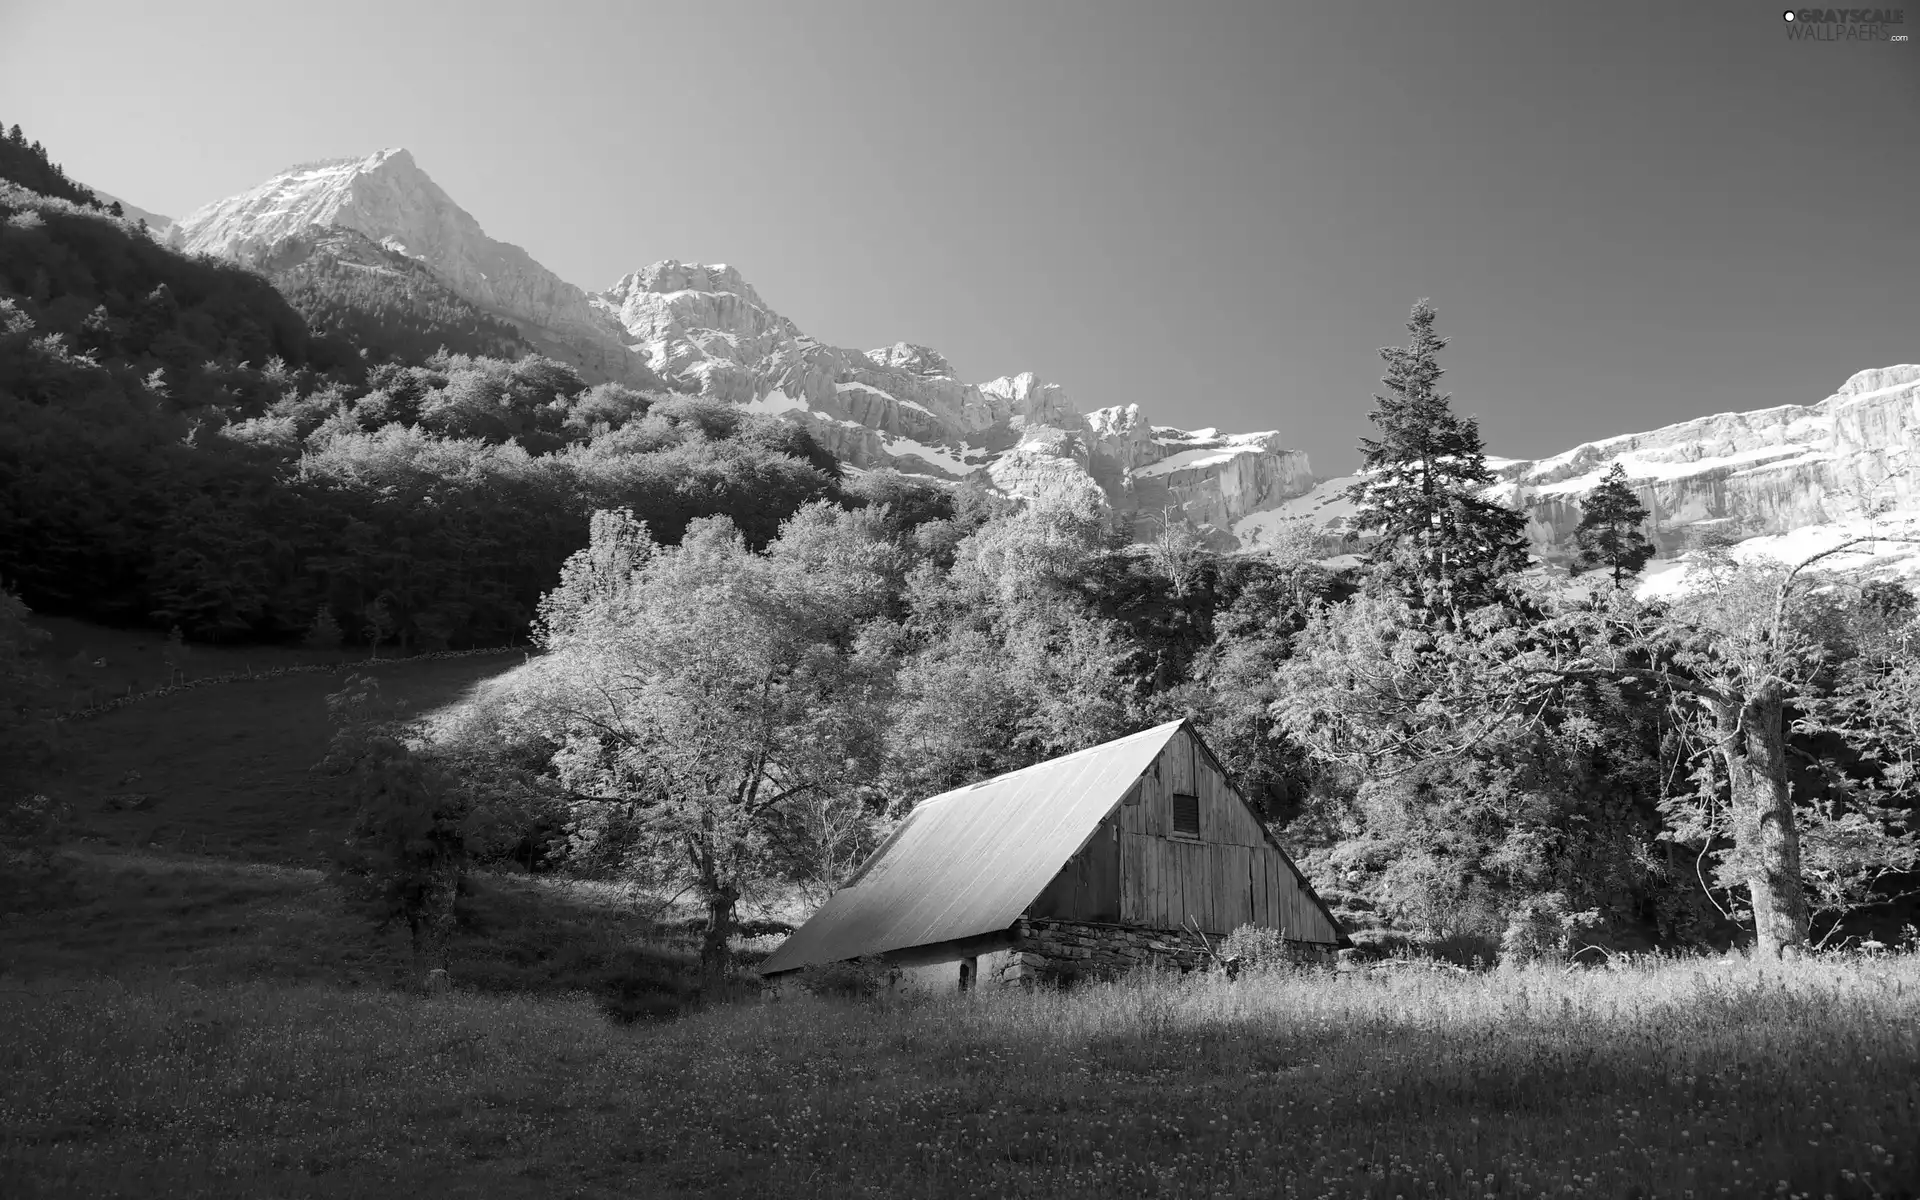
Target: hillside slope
178 447
391 307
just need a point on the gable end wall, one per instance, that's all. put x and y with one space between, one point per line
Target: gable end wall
1233 874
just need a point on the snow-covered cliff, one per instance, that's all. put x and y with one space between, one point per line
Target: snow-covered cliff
1786 481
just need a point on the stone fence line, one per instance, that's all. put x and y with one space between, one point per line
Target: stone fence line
118 702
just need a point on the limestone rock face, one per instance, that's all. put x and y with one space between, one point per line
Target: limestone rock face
705 330
914 360
1761 473
1786 481
390 200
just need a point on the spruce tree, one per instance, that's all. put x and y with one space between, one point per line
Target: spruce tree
325 632
1609 535
1421 482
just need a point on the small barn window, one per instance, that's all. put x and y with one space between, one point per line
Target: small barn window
1186 815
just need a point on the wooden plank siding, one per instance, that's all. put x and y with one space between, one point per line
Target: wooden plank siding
1136 871
1232 875
1088 887
1177 761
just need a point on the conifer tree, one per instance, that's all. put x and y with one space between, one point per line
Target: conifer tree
325 632
1421 482
1609 535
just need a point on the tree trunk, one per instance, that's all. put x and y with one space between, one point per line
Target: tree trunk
1766 834
715 957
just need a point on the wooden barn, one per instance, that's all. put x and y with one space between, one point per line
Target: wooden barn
1098 861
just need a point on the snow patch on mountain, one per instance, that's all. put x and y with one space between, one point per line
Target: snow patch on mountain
389 199
1882 559
1787 481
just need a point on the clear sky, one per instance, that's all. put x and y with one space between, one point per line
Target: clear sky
1626 213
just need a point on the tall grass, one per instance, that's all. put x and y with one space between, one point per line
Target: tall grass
1706 1078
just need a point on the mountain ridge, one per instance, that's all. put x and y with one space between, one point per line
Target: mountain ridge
703 329
389 199
1784 481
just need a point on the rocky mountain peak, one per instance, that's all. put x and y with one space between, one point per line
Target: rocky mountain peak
671 275
915 360
386 197
354 193
700 326
1031 399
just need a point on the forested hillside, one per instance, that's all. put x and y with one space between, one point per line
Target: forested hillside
387 306
178 447
28 164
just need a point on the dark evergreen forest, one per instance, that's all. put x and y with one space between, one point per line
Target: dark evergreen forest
29 165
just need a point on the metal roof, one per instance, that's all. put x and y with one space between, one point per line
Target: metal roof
969 861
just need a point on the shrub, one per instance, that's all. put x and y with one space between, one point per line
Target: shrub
405 854
31 869
1542 929
1258 949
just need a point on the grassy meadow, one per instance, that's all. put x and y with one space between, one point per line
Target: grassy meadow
1702 1078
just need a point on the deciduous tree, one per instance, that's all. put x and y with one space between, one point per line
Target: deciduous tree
1731 656
700 692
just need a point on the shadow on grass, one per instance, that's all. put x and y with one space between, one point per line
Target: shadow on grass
526 934
212 921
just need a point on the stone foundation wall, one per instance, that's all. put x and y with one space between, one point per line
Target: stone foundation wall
1065 951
